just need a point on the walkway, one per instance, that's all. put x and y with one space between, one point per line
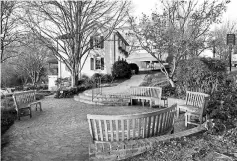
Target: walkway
135 80
58 133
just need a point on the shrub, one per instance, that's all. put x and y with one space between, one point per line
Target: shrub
84 79
226 92
66 93
121 69
200 74
63 81
70 92
134 66
169 91
96 76
39 96
107 78
8 114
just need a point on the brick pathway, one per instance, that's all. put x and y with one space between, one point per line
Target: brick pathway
58 133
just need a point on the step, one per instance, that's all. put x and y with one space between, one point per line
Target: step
102 100
87 100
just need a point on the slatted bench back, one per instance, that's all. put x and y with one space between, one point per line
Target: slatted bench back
24 98
154 92
111 128
196 99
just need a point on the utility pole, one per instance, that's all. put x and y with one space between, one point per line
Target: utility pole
230 50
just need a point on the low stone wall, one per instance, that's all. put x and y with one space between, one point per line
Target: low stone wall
108 151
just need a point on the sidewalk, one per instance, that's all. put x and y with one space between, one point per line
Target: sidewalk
135 80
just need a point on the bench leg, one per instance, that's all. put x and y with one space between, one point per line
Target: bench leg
30 112
18 115
40 106
177 112
186 119
142 102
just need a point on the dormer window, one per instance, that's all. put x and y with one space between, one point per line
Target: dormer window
97 42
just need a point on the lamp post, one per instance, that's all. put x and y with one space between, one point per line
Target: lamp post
214 46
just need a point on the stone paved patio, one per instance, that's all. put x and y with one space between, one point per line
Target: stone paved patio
60 132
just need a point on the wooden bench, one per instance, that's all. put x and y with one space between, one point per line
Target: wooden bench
112 129
145 93
24 101
195 105
134 126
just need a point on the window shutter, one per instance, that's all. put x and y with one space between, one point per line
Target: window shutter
91 42
119 43
102 42
92 63
102 63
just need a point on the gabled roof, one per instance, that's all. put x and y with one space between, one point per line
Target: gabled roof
121 37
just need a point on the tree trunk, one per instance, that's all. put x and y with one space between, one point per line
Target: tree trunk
74 79
171 82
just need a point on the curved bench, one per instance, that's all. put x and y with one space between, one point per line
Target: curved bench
122 128
145 93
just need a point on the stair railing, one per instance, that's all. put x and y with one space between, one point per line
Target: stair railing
96 88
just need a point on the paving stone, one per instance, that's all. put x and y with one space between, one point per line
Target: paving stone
60 131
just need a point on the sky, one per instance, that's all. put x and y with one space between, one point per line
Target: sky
146 6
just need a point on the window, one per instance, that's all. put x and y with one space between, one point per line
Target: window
92 63
97 63
97 42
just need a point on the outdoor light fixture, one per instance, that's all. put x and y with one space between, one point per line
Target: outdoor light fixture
214 47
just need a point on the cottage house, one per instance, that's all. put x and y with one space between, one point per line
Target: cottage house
100 58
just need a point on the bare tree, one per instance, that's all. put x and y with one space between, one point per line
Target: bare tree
180 30
71 24
33 59
9 32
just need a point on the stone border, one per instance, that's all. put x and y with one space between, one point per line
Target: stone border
122 150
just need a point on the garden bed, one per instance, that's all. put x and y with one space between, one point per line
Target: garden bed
200 146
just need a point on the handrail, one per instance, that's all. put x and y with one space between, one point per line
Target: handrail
97 89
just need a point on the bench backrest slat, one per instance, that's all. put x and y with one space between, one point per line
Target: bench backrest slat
23 98
196 99
125 127
155 92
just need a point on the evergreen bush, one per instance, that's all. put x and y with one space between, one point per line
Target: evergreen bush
121 69
200 74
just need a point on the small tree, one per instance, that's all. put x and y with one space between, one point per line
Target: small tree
179 30
33 59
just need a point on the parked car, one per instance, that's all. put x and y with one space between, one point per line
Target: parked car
134 67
